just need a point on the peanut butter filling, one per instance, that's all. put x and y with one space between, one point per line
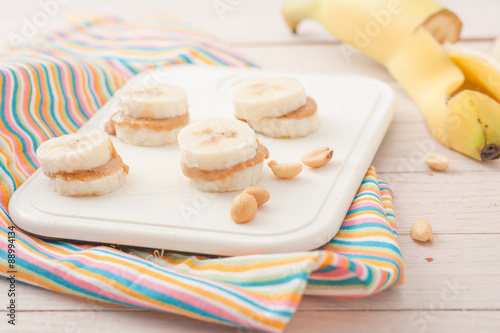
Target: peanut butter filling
165 124
114 164
306 110
213 175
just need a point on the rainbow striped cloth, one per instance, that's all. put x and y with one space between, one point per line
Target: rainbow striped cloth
54 84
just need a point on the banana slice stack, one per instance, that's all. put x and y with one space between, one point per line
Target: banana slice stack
150 115
82 164
221 155
276 106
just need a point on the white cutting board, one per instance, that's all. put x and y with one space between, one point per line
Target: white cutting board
158 208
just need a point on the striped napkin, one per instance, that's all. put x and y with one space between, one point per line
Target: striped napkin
56 83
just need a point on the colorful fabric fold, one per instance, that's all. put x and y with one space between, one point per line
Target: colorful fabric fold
53 85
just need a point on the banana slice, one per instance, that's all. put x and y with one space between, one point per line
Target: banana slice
276 107
153 101
77 151
216 143
150 115
267 97
96 187
82 164
237 181
145 136
221 155
286 128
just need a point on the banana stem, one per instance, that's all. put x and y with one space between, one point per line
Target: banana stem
490 152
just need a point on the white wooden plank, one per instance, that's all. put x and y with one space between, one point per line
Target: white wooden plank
395 321
331 59
303 321
452 203
257 21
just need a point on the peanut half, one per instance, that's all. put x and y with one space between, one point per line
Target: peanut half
285 170
318 157
421 231
260 194
436 161
243 208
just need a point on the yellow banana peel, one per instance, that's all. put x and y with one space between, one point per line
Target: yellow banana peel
458 91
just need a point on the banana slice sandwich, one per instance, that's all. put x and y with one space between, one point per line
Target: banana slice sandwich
276 106
221 155
149 115
82 164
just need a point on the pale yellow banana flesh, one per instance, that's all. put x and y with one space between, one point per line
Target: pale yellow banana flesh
456 92
481 73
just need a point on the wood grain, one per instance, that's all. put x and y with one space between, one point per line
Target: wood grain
255 22
459 291
304 321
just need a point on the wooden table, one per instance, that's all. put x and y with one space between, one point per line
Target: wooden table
459 291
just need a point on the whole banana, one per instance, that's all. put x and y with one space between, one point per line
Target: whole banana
458 91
